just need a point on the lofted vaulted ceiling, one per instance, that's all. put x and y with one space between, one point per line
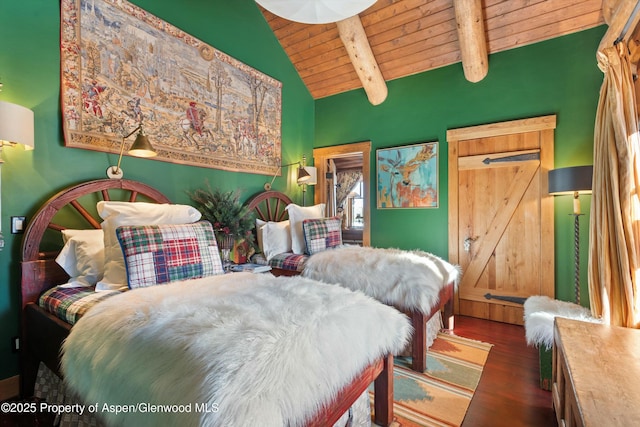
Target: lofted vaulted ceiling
412 36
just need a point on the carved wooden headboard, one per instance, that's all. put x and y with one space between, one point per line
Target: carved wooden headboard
270 205
39 269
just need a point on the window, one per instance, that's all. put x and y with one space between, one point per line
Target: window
355 206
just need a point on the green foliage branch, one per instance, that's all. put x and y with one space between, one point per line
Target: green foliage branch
226 213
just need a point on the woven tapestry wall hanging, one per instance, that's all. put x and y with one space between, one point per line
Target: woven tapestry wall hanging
121 67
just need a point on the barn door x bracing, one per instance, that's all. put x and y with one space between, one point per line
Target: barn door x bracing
501 216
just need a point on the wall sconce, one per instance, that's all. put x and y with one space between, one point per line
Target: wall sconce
303 174
573 180
312 179
16 127
141 147
315 11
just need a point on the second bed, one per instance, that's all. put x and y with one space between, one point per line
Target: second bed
418 283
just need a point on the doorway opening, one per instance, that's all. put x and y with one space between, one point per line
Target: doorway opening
343 185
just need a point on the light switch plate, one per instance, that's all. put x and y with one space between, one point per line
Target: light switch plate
17 224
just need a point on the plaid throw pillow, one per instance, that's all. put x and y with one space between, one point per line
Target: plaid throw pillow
159 254
323 233
289 261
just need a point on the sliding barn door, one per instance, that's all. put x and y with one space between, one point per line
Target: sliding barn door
501 216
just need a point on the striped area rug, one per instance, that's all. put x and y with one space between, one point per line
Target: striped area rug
440 396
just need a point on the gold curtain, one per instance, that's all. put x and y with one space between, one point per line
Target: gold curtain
346 181
614 233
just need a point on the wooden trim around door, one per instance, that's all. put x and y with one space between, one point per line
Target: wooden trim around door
320 157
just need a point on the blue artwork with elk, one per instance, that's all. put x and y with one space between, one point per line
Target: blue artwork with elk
408 176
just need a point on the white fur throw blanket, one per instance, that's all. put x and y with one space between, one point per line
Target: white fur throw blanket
252 349
409 280
540 313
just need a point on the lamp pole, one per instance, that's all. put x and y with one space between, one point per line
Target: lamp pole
576 250
576 244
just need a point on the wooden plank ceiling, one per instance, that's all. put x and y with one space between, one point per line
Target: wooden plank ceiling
412 36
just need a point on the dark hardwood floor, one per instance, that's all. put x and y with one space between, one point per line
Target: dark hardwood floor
509 393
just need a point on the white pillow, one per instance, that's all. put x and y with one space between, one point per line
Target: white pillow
82 256
259 224
116 214
297 214
276 238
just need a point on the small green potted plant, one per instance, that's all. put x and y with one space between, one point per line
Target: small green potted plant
232 221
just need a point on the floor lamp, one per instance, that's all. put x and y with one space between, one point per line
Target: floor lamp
574 180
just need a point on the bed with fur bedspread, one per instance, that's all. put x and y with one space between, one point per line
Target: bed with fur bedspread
263 350
410 280
416 282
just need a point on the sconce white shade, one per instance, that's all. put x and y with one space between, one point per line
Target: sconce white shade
313 175
16 125
315 11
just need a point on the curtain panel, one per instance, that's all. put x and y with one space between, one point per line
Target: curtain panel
346 181
614 233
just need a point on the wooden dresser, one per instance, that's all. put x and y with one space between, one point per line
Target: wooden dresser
596 374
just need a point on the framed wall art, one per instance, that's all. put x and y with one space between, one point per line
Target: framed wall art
121 67
407 176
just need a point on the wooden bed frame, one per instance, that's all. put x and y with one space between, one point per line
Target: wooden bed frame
270 206
43 333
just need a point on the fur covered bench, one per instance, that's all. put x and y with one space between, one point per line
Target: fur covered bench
539 316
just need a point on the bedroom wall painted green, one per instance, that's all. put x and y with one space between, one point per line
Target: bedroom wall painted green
552 77
559 77
29 69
